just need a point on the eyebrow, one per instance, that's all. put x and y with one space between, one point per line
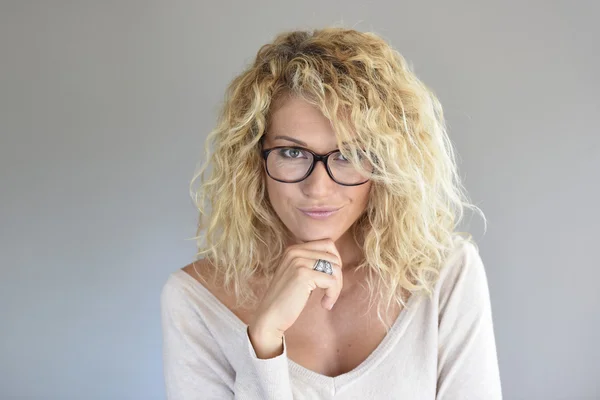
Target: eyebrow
291 139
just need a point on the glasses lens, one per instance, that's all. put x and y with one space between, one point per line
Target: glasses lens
291 164
344 172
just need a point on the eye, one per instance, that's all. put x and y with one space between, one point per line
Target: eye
341 157
291 153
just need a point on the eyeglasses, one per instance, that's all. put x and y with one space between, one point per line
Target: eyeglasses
291 164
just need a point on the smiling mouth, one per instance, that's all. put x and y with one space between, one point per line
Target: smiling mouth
319 214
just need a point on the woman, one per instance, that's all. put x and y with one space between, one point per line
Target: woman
333 188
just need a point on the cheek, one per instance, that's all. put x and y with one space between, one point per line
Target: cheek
278 193
361 194
273 190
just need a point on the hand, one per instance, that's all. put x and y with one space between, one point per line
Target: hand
291 286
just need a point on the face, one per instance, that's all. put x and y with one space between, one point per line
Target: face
305 126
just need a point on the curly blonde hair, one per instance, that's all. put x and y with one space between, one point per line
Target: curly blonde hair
379 109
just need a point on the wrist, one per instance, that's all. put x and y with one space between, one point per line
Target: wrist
266 344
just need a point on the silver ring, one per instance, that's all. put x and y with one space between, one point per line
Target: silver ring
323 266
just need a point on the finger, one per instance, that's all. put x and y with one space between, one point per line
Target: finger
326 245
314 255
333 249
331 284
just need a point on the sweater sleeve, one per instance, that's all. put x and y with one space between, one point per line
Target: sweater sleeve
195 366
467 359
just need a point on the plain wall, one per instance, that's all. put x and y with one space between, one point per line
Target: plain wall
104 108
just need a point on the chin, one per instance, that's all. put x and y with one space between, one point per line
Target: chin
315 234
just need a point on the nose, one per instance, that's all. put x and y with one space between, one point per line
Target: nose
319 183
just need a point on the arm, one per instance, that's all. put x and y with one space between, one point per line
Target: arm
196 368
467 359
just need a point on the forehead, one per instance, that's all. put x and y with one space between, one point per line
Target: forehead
297 118
296 122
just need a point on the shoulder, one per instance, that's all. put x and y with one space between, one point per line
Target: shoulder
186 296
194 282
200 270
185 282
463 275
180 288
463 258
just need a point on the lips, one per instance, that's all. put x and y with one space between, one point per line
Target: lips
319 209
320 214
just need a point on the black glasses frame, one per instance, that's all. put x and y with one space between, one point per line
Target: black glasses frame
316 157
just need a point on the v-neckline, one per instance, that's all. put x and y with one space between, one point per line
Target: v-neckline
336 381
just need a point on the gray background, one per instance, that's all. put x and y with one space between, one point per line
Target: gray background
104 107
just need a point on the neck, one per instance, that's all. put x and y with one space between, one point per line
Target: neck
351 253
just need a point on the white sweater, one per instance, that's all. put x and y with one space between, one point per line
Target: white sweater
438 348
